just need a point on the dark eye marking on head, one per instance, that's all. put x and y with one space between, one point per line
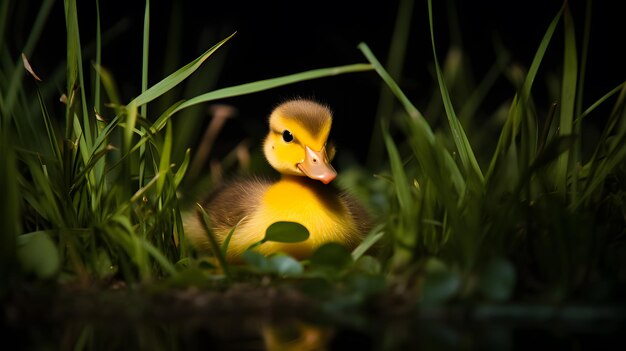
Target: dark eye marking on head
287 136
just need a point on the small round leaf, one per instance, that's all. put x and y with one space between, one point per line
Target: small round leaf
256 260
331 255
38 254
286 232
285 265
497 280
440 286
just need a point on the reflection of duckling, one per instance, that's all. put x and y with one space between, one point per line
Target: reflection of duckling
296 147
295 335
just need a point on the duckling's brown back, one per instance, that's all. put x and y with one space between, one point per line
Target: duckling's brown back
226 206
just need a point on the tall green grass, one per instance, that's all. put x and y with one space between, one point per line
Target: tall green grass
96 198
532 218
93 196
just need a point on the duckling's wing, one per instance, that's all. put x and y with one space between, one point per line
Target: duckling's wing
360 215
234 201
226 206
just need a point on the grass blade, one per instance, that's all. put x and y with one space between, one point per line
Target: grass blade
129 128
435 157
406 103
144 63
98 61
599 102
175 78
598 165
266 84
52 140
180 174
224 248
518 106
75 77
568 99
206 222
159 257
164 165
108 82
365 245
395 62
458 134
257 86
400 179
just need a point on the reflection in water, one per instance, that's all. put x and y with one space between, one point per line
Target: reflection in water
295 335
253 333
210 322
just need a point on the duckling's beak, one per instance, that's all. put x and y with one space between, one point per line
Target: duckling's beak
317 166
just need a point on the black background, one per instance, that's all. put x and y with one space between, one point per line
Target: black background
284 37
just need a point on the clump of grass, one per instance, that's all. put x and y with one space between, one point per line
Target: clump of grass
526 222
96 198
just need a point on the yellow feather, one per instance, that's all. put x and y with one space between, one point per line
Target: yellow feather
291 199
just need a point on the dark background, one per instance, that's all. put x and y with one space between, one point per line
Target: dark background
284 37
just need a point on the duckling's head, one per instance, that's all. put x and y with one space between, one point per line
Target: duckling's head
296 142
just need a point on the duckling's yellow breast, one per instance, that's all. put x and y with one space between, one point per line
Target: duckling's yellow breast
321 211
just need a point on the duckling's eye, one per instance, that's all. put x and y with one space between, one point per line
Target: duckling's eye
287 136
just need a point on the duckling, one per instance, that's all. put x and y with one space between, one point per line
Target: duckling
295 146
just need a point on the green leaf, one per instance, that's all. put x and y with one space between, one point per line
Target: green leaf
286 232
331 255
440 286
206 263
285 265
257 260
497 280
366 284
38 254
